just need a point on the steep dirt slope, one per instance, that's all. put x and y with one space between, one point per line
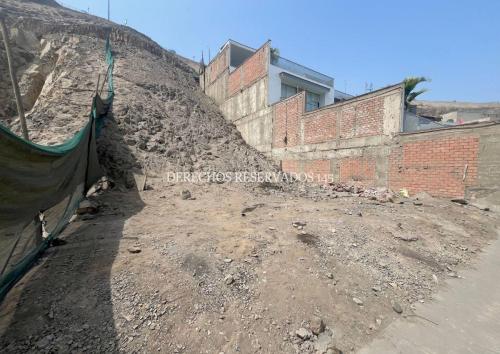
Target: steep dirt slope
162 120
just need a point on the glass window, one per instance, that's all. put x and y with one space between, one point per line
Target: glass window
287 91
312 101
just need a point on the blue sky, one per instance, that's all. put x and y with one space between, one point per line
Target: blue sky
455 43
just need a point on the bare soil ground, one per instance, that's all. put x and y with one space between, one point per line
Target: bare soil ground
207 279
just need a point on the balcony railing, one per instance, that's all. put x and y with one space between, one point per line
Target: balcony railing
301 70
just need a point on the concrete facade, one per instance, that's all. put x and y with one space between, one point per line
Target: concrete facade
360 139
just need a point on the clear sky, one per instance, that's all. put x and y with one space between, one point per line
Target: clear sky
456 43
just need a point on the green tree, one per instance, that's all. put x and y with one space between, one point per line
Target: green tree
410 84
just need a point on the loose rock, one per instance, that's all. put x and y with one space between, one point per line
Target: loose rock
397 307
357 301
86 207
317 325
134 249
303 333
229 279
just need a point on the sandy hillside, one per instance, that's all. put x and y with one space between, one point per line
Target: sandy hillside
162 120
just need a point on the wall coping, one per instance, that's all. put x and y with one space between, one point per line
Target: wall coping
244 61
362 97
448 129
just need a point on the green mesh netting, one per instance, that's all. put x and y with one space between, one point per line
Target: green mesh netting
51 180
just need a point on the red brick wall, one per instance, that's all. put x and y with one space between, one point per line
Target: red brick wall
435 166
253 69
357 119
358 169
320 126
287 115
234 82
218 65
290 166
319 170
363 118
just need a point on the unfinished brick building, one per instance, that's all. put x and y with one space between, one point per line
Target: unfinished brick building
294 115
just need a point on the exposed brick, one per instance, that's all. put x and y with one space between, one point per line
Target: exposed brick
436 166
358 169
290 166
362 118
218 65
318 170
320 126
287 116
253 69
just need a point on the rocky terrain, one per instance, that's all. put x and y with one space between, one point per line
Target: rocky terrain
205 267
225 269
161 119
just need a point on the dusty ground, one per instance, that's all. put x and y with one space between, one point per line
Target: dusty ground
209 280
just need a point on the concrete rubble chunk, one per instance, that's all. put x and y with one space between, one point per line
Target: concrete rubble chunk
303 333
325 343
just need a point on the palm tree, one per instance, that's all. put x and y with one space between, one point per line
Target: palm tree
410 83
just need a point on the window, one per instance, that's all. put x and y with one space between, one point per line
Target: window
287 91
312 101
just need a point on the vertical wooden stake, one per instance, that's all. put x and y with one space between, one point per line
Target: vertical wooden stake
97 87
20 108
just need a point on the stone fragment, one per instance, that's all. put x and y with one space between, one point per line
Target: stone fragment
376 288
134 249
317 325
229 279
185 194
407 238
86 207
357 301
397 307
303 333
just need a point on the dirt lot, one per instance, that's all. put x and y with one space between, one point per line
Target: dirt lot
154 272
